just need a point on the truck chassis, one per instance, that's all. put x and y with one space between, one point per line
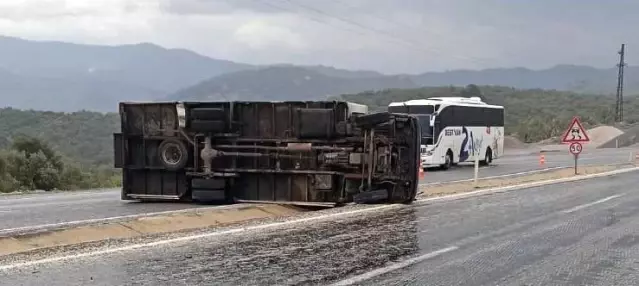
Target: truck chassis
323 153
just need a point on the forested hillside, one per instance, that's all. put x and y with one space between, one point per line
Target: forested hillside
80 149
58 76
288 83
531 114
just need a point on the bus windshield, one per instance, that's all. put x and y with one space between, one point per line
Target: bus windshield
424 125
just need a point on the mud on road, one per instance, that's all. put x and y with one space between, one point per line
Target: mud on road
311 254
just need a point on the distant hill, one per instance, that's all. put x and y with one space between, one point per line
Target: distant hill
583 79
69 77
289 83
61 76
335 72
286 82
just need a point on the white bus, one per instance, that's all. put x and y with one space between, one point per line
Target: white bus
456 129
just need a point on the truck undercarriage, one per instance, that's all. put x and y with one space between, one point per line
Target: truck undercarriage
306 153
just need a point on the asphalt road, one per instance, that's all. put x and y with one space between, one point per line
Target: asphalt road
521 162
579 233
38 209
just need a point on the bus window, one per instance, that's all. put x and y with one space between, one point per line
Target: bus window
427 130
421 109
398 109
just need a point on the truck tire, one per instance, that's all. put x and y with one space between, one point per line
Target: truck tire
214 126
206 113
209 197
197 183
173 154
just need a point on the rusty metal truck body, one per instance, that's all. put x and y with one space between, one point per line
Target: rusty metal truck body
307 153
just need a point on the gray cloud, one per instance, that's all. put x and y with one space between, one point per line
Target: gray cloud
391 36
204 7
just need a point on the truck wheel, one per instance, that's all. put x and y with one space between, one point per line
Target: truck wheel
209 191
215 126
207 113
173 154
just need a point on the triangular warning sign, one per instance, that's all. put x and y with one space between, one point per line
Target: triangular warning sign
575 132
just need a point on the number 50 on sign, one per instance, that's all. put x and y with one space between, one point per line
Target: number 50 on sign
575 148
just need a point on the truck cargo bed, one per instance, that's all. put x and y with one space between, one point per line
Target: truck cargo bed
306 153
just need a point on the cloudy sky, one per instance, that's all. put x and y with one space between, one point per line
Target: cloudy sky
392 36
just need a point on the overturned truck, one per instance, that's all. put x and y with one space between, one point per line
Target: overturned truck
307 153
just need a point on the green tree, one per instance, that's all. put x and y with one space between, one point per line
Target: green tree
31 146
472 90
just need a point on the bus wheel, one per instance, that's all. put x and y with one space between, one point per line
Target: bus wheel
488 158
449 161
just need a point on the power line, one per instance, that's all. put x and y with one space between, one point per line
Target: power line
621 65
416 28
308 17
413 44
317 20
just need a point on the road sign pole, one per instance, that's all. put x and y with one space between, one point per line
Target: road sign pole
575 135
575 149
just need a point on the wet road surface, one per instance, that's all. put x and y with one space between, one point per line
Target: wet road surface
520 162
39 209
578 233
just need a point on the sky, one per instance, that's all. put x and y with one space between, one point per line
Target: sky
390 36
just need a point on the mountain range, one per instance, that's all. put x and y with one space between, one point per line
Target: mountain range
58 76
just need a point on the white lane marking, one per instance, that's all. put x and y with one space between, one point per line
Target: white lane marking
493 177
28 196
574 209
393 267
307 219
16 206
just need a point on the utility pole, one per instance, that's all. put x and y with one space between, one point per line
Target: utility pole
621 65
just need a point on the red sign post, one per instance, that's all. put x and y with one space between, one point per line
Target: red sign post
575 135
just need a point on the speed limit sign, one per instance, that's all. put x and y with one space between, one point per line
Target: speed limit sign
575 148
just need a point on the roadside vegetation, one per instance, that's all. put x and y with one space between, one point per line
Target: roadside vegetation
30 164
531 115
53 150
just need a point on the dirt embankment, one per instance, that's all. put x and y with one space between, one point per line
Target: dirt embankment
511 142
628 138
600 137
143 226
